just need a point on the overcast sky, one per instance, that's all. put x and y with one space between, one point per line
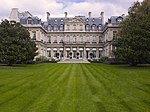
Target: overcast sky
73 7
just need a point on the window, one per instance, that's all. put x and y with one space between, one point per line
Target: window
93 19
49 39
34 35
68 27
88 40
94 40
99 27
29 21
55 28
114 34
93 27
74 39
61 27
81 39
61 40
74 27
55 40
87 27
87 19
49 28
81 27
81 54
94 54
100 39
49 53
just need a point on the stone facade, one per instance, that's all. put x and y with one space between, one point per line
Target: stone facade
63 38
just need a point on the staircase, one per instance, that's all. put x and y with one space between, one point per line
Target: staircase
74 61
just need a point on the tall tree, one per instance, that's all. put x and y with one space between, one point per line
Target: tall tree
133 46
15 43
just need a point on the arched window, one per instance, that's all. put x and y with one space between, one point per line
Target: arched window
99 27
55 27
93 27
87 27
61 27
49 28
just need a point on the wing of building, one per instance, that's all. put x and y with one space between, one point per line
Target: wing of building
64 38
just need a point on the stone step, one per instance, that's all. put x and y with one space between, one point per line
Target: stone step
73 61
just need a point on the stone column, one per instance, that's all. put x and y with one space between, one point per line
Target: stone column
97 53
84 52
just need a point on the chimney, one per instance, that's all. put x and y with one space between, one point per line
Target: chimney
123 15
65 14
48 15
89 14
14 15
102 17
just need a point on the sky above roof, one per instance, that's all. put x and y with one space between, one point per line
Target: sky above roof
73 7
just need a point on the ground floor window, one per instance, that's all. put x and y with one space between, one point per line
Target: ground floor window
87 54
67 54
55 53
61 54
49 53
81 54
74 54
94 54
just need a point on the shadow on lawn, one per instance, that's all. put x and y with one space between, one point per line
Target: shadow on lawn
13 66
146 66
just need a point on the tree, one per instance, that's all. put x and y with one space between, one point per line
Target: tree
133 46
16 45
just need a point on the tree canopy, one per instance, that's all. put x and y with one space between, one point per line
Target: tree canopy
133 45
16 45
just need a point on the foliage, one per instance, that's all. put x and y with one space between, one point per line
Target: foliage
41 59
134 45
103 59
16 45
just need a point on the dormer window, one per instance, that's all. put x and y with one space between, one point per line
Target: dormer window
99 27
93 20
87 27
93 27
62 20
55 20
61 27
49 28
55 27
87 19
29 21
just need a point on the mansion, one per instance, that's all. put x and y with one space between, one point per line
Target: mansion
78 37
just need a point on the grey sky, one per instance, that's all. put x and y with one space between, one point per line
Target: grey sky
73 7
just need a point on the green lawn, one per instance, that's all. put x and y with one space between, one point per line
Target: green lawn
74 88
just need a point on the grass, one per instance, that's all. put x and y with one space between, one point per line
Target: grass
74 88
